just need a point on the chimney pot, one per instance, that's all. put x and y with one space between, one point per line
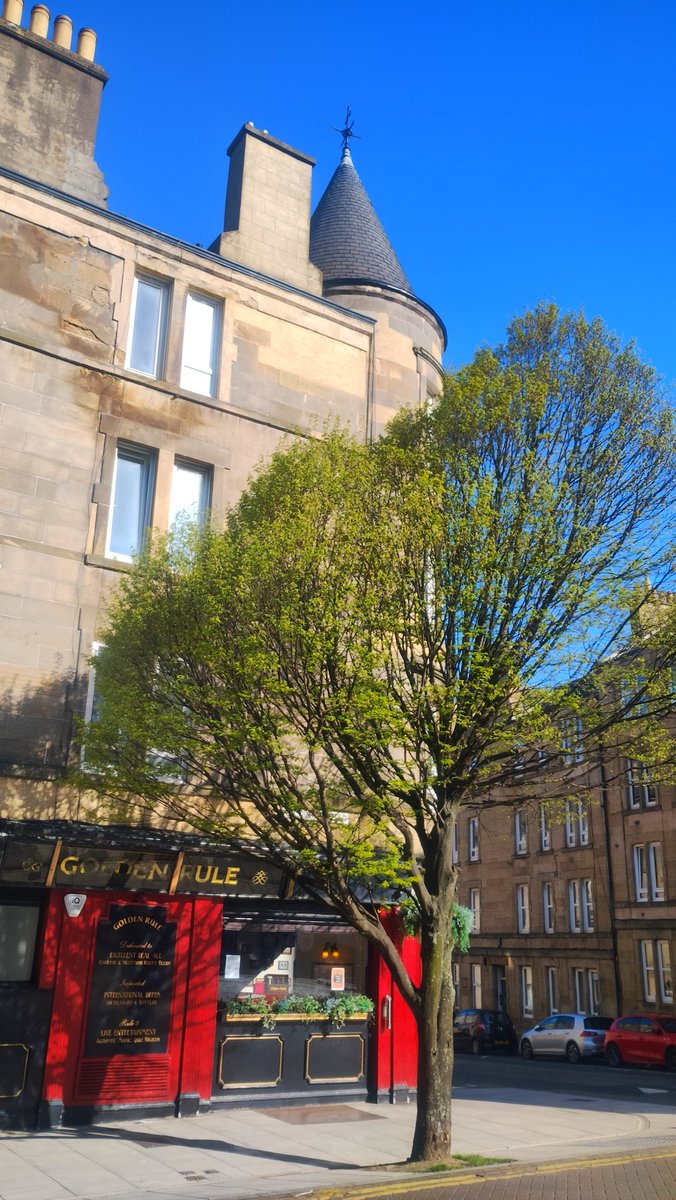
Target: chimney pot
63 32
40 20
86 44
12 11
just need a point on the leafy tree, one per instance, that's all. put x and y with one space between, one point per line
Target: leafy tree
383 635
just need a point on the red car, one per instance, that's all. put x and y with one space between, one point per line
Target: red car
647 1038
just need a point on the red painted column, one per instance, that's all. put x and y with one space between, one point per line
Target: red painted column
394 1044
199 1032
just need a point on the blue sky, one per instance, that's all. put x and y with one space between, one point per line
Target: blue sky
514 151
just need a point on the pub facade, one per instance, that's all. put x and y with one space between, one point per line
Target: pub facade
133 969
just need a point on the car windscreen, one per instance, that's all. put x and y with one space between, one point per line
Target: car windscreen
668 1024
598 1022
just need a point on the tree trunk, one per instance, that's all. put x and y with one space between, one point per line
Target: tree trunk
432 1137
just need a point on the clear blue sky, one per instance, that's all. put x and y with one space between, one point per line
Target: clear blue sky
514 150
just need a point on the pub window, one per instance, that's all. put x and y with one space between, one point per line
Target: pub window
18 934
277 961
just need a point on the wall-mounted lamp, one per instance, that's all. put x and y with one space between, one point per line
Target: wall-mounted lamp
330 950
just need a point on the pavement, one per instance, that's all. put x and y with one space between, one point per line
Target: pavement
237 1154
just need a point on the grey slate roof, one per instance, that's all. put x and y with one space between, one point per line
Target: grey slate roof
347 241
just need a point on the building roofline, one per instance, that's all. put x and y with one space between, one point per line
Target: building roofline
179 244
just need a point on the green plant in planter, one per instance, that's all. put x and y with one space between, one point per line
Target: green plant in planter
249 1006
307 1005
347 1004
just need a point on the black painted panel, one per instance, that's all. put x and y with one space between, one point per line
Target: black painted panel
24 1022
335 1058
249 1061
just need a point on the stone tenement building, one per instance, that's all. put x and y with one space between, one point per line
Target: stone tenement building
140 378
575 911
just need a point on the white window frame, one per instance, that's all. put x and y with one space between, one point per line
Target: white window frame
572 736
548 918
648 972
582 823
574 906
475 908
569 825
90 698
163 286
455 850
656 876
576 824
664 974
520 832
641 792
594 991
473 839
579 989
545 828
553 989
146 457
588 910
640 867
527 991
205 473
522 908
208 372
476 984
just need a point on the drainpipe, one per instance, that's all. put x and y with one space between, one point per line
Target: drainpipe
611 884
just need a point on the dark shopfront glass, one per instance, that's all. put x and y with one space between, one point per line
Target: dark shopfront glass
18 936
274 960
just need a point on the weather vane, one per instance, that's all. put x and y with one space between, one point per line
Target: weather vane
346 133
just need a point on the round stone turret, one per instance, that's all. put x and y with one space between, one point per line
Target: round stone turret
361 270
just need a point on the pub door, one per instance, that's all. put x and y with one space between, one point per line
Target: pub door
129 969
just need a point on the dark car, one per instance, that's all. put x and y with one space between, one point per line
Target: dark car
647 1038
481 1029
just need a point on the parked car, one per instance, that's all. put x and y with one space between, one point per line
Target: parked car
573 1036
648 1038
481 1029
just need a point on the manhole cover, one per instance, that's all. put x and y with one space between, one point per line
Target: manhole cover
321 1114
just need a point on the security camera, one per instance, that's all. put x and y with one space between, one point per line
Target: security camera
74 902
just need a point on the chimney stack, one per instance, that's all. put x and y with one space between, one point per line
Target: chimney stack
49 102
267 209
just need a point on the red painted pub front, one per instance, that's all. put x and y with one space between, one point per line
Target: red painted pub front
120 968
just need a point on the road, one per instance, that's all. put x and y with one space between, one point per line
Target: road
618 1177
636 1085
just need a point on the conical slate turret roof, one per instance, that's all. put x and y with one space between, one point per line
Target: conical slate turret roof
347 241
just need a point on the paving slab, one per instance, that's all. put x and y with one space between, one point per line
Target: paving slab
246 1153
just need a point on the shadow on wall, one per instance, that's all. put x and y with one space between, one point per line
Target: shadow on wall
36 725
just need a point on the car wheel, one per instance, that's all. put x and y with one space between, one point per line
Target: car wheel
670 1058
526 1049
573 1053
613 1055
476 1046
